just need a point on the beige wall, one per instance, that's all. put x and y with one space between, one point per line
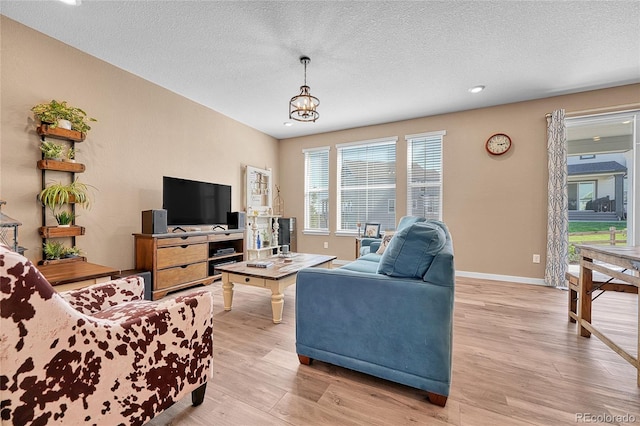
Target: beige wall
495 207
143 133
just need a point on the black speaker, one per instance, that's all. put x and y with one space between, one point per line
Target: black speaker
154 222
236 220
287 232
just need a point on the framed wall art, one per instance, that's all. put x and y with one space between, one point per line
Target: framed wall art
372 230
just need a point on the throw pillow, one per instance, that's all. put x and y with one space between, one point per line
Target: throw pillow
385 242
411 251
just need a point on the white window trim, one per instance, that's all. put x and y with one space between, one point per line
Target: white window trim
319 148
370 142
425 135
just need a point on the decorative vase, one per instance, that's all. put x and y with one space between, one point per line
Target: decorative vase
64 124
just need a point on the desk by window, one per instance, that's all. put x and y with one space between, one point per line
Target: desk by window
625 257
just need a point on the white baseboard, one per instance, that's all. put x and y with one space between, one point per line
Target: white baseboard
495 277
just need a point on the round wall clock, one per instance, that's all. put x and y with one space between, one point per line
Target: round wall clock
498 144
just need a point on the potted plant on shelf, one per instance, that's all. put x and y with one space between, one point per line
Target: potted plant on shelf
53 250
57 194
51 150
64 218
71 156
51 113
266 240
71 252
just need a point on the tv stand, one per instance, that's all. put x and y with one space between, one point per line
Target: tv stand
188 259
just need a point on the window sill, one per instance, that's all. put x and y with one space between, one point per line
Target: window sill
315 232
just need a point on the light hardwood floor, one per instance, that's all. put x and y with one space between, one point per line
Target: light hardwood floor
516 361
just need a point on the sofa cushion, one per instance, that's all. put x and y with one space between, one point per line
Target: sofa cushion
385 242
412 250
367 263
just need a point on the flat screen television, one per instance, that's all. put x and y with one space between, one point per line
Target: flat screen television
190 202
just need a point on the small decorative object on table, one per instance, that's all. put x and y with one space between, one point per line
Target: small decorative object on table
372 230
260 264
7 224
285 253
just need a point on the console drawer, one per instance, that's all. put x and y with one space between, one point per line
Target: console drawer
244 279
181 255
174 241
180 274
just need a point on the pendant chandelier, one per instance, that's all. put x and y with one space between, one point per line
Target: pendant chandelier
302 107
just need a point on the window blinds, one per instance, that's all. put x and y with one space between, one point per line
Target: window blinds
367 184
424 175
316 189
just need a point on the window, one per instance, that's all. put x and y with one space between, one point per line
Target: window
316 190
424 175
367 184
602 181
581 195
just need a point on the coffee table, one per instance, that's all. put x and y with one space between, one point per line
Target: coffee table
278 276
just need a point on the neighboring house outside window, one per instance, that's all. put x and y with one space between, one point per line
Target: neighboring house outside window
424 175
316 190
366 184
596 183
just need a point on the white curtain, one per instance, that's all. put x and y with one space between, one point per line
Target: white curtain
557 213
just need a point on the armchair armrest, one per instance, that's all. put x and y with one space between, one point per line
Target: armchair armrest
128 313
98 297
158 351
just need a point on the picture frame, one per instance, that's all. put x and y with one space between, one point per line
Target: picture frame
372 230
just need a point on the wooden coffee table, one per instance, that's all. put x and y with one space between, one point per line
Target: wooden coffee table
276 277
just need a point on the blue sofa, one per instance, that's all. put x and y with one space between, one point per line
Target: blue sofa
389 315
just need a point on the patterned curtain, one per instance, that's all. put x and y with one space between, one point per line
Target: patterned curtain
557 213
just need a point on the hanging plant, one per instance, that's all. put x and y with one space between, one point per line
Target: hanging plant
54 111
57 194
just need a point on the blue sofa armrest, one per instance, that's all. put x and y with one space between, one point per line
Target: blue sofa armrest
369 245
399 329
367 241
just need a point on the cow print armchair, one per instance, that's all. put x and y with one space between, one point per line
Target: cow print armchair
100 355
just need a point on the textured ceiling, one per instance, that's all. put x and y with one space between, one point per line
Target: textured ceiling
371 62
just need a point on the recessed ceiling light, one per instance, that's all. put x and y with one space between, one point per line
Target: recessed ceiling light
626 122
288 123
476 89
72 2
596 138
